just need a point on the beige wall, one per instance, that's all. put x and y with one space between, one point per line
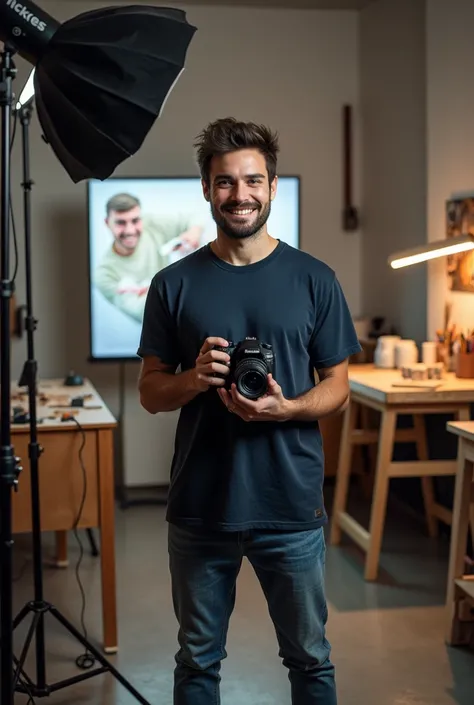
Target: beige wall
450 102
392 76
293 69
418 152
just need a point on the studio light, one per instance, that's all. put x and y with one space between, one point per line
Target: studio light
432 250
99 82
101 79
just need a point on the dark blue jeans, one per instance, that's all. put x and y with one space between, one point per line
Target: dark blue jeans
290 568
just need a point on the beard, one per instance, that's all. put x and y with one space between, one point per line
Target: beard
248 227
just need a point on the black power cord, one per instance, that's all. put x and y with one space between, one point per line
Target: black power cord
85 660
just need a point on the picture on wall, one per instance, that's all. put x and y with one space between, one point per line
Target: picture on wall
460 221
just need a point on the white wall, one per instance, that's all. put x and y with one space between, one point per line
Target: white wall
450 102
291 69
393 115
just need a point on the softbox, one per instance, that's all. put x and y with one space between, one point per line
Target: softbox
101 78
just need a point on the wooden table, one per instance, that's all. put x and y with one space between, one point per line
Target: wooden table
66 483
374 388
460 587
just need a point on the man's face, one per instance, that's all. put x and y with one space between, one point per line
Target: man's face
239 192
126 227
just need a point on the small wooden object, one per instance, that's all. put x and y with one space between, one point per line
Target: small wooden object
465 365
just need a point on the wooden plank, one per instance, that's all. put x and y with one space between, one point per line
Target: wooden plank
422 468
363 436
353 529
465 429
442 513
379 500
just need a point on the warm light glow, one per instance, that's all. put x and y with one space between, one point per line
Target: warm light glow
28 92
432 250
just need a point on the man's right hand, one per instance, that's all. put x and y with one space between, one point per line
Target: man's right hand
208 363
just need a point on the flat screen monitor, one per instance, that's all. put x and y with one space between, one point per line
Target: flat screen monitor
137 226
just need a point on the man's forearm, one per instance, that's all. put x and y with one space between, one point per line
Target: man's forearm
164 391
131 303
326 398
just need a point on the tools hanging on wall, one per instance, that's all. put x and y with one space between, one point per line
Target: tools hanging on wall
350 216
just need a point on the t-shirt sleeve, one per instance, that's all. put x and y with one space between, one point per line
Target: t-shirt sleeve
158 336
334 337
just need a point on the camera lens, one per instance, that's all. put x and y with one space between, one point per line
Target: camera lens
251 378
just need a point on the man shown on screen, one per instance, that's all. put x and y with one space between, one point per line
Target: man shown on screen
141 246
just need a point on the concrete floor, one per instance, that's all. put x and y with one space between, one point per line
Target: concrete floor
387 637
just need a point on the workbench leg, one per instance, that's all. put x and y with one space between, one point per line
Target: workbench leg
343 471
457 551
107 537
472 523
379 499
427 485
61 549
369 454
464 414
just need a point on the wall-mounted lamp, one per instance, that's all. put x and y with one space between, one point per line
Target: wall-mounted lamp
432 250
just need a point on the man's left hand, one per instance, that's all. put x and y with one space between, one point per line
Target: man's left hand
190 239
272 406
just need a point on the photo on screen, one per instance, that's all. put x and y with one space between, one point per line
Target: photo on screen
137 226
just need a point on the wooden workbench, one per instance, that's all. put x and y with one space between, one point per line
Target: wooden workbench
76 478
376 389
460 587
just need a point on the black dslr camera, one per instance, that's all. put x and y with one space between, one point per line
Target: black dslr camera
250 363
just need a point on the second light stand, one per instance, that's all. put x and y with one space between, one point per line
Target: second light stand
38 607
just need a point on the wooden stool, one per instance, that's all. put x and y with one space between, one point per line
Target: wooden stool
460 587
380 390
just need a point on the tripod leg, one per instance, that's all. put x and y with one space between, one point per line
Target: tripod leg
92 541
29 637
96 653
24 612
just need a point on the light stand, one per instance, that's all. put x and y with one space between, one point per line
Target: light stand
9 467
101 81
38 607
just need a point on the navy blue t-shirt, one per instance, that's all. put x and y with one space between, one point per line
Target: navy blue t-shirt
228 474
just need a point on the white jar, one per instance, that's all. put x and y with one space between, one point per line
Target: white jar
406 353
429 352
384 355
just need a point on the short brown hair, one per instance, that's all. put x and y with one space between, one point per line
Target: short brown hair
121 203
228 135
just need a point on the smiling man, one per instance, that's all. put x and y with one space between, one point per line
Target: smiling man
124 274
247 475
